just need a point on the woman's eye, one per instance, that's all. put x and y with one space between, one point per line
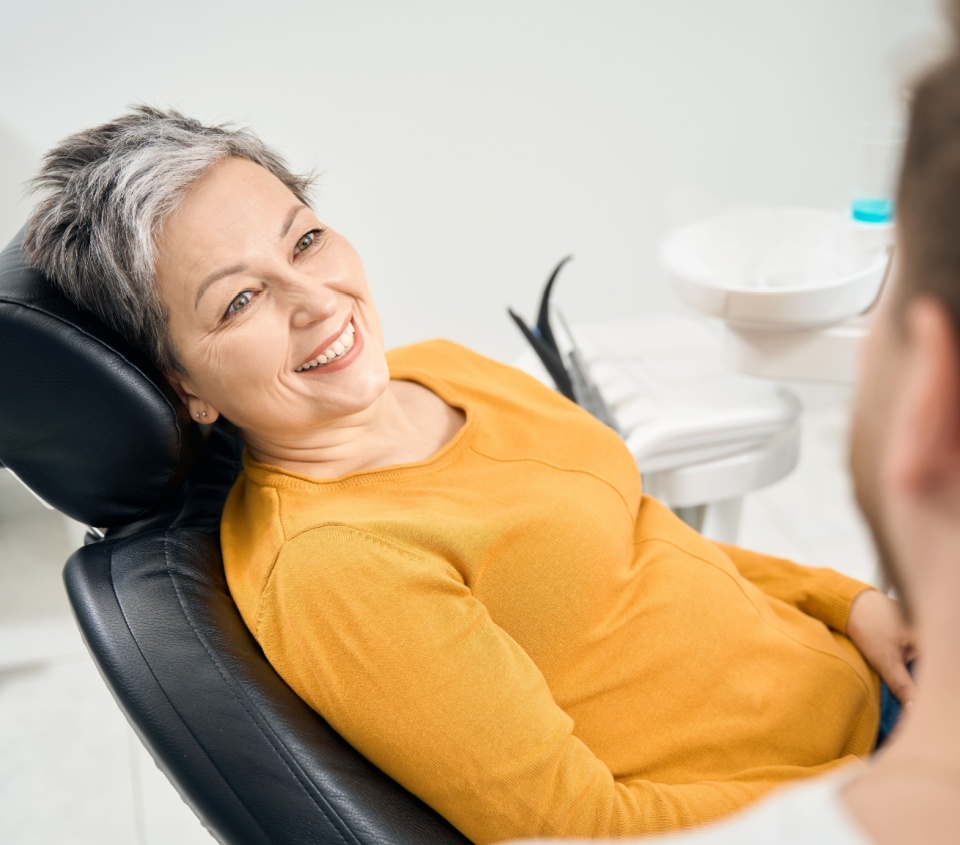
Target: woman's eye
240 301
306 241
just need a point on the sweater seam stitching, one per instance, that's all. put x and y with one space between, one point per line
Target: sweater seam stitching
359 532
371 537
261 605
541 462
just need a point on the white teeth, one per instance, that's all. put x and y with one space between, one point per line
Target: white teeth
340 346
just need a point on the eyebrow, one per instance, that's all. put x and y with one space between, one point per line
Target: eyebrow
232 270
291 216
216 276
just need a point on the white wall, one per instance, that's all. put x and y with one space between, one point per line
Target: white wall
466 147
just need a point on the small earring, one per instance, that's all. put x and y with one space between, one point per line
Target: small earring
200 414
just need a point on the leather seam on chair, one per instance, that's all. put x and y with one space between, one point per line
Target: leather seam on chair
329 812
160 686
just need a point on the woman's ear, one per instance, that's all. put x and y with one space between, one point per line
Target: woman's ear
925 434
199 410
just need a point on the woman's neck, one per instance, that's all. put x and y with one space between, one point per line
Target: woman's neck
408 423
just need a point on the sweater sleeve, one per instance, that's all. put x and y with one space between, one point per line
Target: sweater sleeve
393 650
821 593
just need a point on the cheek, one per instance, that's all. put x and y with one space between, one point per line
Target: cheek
873 427
860 448
878 375
866 423
232 366
871 347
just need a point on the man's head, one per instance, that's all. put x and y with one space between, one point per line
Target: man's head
905 449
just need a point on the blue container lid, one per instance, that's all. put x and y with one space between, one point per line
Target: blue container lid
872 210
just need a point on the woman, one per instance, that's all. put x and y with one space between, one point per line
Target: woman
450 562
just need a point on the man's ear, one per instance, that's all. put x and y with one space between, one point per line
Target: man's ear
924 445
201 411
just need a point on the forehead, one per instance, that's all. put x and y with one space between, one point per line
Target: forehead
231 215
233 192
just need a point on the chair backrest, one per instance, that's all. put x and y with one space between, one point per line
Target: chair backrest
93 429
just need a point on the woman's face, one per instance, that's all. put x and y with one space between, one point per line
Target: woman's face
269 310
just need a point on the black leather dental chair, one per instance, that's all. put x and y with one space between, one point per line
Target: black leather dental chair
89 425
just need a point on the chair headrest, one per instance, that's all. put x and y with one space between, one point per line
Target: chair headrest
86 421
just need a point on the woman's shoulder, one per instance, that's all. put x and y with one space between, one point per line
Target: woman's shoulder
447 361
435 355
454 362
472 381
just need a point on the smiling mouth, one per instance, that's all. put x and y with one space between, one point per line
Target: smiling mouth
336 350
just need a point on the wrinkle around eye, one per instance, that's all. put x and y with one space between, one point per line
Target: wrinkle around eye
316 234
232 312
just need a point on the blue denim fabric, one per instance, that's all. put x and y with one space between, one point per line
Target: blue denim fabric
889 714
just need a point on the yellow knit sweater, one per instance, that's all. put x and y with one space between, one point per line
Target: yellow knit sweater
519 637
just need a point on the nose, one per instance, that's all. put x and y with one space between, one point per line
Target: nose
310 300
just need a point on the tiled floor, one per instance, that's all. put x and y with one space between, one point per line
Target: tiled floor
72 772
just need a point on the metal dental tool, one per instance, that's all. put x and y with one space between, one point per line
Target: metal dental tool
587 394
541 338
572 377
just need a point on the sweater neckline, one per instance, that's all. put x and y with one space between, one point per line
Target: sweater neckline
268 475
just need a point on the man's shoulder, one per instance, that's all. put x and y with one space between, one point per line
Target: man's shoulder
810 813
803 814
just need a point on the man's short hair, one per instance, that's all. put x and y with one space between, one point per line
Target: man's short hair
928 196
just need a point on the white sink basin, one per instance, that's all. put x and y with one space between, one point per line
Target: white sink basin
778 268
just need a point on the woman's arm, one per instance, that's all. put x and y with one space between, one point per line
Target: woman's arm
821 593
871 620
395 652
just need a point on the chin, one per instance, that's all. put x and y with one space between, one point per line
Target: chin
365 386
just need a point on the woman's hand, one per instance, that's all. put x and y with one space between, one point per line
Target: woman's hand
877 627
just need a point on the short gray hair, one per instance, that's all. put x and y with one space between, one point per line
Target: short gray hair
106 194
